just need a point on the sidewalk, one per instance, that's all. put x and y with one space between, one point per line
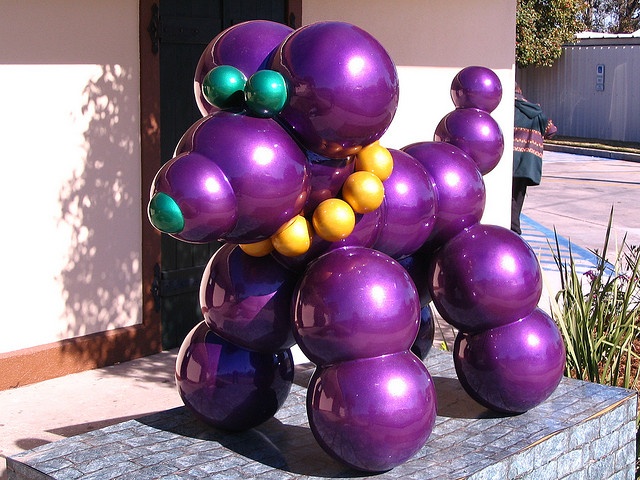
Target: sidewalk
574 197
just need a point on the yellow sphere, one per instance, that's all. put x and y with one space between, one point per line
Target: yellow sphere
293 238
333 220
376 159
258 249
363 191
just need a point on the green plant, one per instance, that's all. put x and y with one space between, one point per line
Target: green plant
598 315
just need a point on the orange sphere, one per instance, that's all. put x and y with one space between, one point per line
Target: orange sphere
333 220
376 159
293 238
363 191
258 249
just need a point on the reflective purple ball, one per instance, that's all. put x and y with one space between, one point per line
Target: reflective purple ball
204 195
475 132
245 46
410 202
426 333
511 368
265 167
354 302
327 176
476 87
344 87
372 414
417 266
227 386
459 187
247 300
485 277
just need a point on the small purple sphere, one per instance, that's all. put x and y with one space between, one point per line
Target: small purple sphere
372 414
426 333
354 302
476 87
410 202
327 176
245 46
247 300
204 195
511 368
227 386
485 277
475 132
344 87
459 187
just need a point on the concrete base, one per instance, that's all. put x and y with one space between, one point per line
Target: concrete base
583 430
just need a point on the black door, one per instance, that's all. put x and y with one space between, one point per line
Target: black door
185 29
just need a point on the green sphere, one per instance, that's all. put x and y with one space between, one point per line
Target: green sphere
164 214
223 87
266 93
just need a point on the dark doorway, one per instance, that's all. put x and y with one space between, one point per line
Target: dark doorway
184 28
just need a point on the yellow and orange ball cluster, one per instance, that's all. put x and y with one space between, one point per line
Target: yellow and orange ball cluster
335 218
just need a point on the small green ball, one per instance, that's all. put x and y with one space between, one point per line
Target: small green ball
165 214
266 93
223 87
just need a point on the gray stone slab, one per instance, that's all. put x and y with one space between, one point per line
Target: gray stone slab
583 430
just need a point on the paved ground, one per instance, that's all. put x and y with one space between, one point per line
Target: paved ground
575 197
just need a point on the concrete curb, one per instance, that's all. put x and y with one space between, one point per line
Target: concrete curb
594 152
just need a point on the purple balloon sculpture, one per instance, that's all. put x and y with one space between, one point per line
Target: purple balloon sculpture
343 87
263 164
410 202
485 277
247 300
354 302
372 414
476 87
245 46
227 386
459 187
511 368
475 132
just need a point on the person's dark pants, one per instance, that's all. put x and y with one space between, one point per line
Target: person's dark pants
518 192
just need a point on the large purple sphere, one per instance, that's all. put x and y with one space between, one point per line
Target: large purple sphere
227 386
354 302
245 46
514 367
372 414
263 164
247 300
485 277
343 87
475 132
459 187
410 202
203 194
476 87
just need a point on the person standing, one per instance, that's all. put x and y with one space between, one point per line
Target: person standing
531 127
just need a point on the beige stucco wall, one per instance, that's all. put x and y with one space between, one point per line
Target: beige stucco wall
430 41
69 130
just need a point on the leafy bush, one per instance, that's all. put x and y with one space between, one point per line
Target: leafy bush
598 315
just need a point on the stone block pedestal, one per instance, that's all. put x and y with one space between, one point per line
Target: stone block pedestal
583 431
